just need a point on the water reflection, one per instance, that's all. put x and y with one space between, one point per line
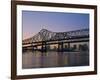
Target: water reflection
54 59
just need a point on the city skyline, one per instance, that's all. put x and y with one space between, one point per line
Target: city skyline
34 21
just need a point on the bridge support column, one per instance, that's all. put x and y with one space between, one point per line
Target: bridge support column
32 48
68 46
43 47
60 47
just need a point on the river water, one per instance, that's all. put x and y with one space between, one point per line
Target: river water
54 59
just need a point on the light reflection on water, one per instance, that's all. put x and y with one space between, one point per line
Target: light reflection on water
54 59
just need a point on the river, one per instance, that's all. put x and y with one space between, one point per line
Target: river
37 59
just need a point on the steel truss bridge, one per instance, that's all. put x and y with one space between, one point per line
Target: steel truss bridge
46 38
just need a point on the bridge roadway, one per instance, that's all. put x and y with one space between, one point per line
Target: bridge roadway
60 42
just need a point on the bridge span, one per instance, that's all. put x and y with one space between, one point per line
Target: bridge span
47 40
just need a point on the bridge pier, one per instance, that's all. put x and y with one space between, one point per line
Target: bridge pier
60 47
43 47
34 48
68 46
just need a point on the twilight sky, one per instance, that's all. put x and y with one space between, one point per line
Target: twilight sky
34 21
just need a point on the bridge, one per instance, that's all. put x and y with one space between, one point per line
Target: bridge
46 40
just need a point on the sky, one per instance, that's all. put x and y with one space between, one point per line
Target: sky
34 21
